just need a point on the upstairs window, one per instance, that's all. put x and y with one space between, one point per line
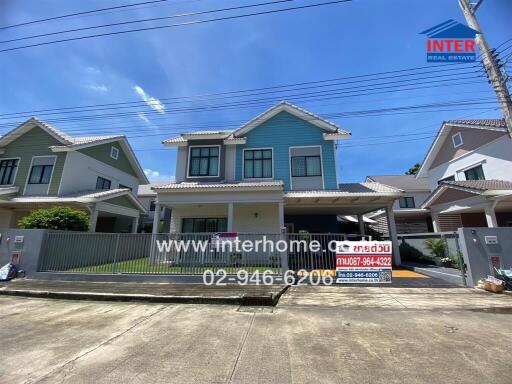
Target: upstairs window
102 183
449 178
40 174
406 202
8 171
305 166
258 164
114 153
204 161
457 140
476 173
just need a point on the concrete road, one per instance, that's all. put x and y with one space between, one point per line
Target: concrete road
315 334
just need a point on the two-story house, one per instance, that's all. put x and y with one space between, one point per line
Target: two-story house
409 216
275 173
469 165
41 166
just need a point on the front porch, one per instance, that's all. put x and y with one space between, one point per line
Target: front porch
271 211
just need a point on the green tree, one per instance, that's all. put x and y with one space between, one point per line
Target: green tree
414 169
58 218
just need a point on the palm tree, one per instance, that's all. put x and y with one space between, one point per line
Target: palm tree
437 247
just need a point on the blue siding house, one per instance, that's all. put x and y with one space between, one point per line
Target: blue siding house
275 173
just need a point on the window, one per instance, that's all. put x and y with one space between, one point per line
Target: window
304 166
476 173
121 186
40 174
449 178
208 225
204 161
8 171
457 140
152 206
406 202
114 153
258 164
102 183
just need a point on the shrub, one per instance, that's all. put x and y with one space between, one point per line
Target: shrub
58 218
437 247
410 253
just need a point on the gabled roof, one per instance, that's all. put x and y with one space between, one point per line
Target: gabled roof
442 136
332 131
406 183
70 143
476 187
320 122
368 187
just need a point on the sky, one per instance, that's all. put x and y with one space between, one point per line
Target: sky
166 70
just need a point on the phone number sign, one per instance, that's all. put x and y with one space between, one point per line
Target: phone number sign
363 261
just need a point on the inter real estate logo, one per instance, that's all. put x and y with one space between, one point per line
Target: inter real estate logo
451 41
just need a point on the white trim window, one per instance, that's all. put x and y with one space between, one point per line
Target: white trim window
457 140
8 169
258 163
306 166
203 161
102 183
114 153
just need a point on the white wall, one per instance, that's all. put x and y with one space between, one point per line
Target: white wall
266 221
496 157
81 172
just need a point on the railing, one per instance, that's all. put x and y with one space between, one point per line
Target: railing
182 253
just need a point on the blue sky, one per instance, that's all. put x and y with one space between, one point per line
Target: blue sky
350 39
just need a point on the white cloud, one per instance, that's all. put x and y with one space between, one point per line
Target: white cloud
143 117
97 87
151 101
93 70
155 176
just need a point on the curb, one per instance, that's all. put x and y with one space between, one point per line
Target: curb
243 300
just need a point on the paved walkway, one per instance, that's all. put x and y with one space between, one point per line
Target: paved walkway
332 340
449 275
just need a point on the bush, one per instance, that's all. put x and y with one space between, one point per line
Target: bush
58 218
437 247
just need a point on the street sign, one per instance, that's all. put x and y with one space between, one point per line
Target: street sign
363 261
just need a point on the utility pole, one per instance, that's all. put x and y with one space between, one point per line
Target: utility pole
490 64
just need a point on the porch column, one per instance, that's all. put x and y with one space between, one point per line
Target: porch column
156 218
93 219
435 222
392 234
135 224
231 209
490 215
280 209
362 230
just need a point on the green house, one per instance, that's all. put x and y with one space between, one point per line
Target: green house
41 167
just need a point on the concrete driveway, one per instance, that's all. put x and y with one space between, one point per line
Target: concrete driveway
315 334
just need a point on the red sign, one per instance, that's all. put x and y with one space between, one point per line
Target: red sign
367 261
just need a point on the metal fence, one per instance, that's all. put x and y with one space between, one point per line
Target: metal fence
107 253
431 248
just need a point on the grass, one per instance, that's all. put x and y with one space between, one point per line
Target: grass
144 266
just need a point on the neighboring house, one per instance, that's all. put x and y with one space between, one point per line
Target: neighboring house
469 165
41 166
275 173
147 197
409 216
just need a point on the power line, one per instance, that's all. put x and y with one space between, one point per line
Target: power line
184 24
81 13
176 16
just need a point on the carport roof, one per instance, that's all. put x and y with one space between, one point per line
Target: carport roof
226 186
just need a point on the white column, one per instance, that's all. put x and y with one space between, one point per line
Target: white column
435 222
392 234
362 230
490 215
156 218
231 209
135 224
280 210
93 219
